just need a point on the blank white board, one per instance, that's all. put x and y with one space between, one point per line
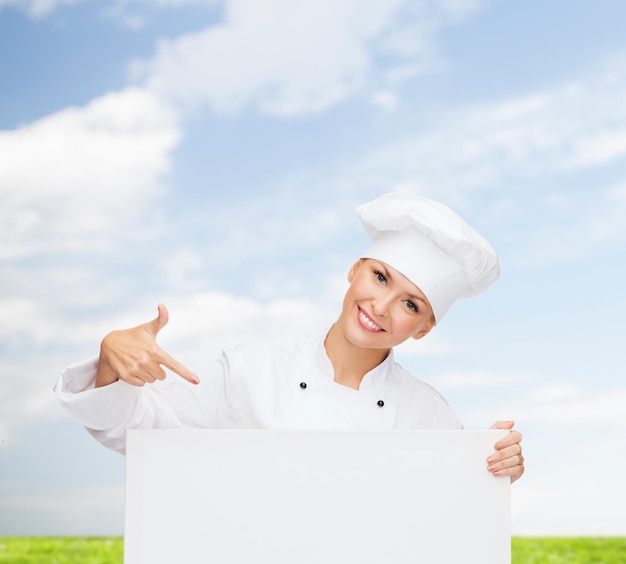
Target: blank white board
314 497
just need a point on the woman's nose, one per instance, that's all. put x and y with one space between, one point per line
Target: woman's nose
380 306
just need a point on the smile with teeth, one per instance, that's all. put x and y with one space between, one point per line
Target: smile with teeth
368 323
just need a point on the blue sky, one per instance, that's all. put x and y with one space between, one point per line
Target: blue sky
209 155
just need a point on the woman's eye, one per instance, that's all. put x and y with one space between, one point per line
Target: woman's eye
380 276
411 306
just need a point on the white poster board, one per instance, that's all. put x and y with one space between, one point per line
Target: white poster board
318 497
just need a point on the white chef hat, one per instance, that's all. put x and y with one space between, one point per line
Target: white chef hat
431 245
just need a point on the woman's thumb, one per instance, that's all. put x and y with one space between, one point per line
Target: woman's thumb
160 321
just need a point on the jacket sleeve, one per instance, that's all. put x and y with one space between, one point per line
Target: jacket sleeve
109 411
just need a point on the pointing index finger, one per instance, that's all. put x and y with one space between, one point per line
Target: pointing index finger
176 367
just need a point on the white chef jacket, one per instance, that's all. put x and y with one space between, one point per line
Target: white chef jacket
256 385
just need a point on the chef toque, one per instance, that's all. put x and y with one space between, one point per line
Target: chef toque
431 246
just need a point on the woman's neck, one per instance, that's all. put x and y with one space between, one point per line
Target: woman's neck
350 362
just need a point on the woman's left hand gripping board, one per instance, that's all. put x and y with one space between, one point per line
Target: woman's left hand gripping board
507 460
132 355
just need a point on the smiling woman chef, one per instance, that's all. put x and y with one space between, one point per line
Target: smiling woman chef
423 257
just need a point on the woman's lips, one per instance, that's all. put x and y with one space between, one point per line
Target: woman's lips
368 323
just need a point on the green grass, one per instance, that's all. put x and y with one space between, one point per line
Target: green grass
575 550
61 550
105 550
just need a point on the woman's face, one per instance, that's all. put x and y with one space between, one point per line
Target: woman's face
382 308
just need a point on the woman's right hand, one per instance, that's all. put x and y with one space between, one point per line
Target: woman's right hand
132 355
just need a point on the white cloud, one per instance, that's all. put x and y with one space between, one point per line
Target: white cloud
606 224
287 59
202 323
81 510
617 193
78 499
479 380
433 344
26 392
566 408
603 408
578 504
556 392
520 163
399 73
575 126
76 180
385 99
135 14
459 9
572 231
596 148
476 148
283 58
270 227
68 178
21 319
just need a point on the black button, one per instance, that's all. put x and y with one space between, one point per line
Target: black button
380 403
303 385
